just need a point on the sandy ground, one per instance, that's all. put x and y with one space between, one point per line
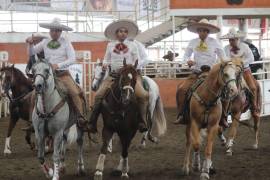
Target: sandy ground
160 162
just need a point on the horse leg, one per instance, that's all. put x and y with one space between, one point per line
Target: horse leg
106 136
207 163
110 145
123 164
221 136
62 166
195 134
41 153
232 133
256 120
28 139
12 124
58 142
185 168
80 169
143 140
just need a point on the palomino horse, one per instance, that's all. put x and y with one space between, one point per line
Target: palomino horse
156 115
14 80
236 106
52 116
205 112
121 115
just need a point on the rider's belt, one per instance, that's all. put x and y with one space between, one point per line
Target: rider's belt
62 73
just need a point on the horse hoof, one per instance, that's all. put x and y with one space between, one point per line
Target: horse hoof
98 175
255 146
55 178
185 171
204 176
49 174
212 171
81 172
7 152
124 176
196 168
229 153
116 173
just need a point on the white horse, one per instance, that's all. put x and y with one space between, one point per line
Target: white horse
52 116
156 114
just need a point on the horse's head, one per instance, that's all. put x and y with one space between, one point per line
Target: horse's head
99 75
230 72
7 77
43 76
127 81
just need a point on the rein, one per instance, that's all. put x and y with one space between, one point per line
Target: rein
52 113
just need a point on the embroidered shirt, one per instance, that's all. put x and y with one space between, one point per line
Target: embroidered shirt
244 52
117 51
63 56
205 53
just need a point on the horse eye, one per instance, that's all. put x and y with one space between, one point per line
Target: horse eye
226 75
47 71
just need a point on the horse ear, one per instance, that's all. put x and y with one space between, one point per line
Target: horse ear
124 62
12 66
136 64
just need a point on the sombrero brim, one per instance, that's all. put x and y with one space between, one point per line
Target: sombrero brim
55 26
195 26
232 36
111 29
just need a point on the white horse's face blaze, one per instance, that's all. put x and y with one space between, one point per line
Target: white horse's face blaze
98 77
127 86
42 75
230 74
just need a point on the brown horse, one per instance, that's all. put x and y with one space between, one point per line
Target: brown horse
16 83
238 105
205 112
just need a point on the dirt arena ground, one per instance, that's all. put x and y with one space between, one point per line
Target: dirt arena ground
157 162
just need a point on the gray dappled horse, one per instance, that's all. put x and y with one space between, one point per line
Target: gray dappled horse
52 116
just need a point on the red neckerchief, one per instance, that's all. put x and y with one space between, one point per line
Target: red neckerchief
120 47
235 49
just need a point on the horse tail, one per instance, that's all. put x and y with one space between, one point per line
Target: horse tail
72 134
159 116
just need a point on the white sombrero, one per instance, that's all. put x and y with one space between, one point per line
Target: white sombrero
111 29
55 24
232 34
205 24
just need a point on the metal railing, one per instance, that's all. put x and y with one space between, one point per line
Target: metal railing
25 17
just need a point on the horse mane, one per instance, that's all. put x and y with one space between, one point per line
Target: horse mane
19 76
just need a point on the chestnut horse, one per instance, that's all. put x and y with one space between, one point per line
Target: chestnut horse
236 106
205 111
14 81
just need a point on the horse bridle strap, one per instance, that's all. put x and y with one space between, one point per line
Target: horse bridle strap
53 112
23 96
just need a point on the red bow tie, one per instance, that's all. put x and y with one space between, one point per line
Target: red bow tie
120 47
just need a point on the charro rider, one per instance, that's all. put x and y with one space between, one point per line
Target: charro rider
206 51
60 54
120 32
238 49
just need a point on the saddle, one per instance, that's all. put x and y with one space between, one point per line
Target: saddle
190 92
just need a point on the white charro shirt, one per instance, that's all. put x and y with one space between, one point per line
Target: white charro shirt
115 58
64 56
208 56
143 60
244 52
